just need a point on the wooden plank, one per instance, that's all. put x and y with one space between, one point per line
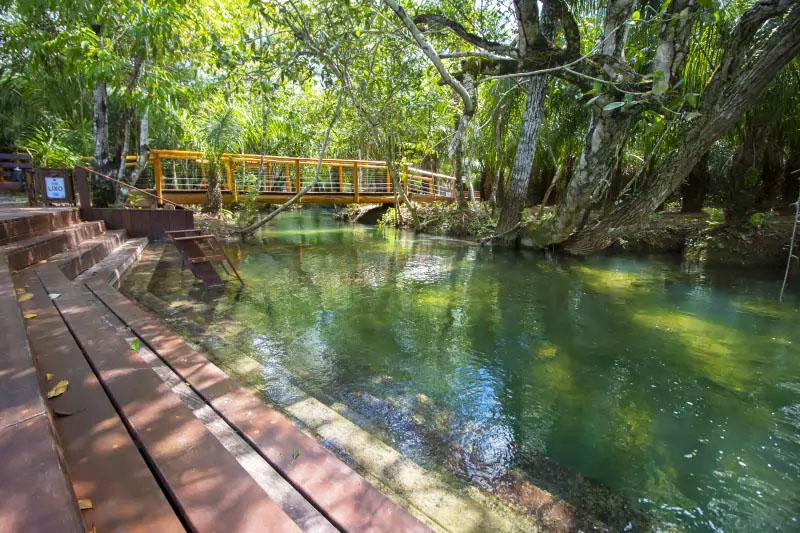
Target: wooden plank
20 397
35 494
213 492
193 237
11 164
346 498
181 231
103 461
21 157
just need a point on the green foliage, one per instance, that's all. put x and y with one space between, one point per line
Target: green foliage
54 147
715 216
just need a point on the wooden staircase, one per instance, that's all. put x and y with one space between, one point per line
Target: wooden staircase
122 449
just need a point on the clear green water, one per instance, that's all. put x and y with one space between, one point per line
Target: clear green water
674 388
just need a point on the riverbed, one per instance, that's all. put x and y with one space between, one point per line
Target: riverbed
647 393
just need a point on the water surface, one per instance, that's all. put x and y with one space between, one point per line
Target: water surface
671 387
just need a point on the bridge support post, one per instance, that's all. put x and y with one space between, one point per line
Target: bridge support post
355 180
297 175
231 181
159 178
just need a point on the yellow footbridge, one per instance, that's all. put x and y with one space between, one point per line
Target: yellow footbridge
180 177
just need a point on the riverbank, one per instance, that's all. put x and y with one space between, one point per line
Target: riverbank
701 237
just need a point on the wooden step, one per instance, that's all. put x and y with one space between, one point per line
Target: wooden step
103 461
19 224
22 254
211 489
35 494
349 501
88 253
115 264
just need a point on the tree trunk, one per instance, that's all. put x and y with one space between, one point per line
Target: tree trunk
516 190
598 158
213 201
731 91
100 122
144 149
123 154
458 163
694 189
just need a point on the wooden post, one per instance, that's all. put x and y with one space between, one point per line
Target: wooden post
355 180
341 179
159 178
81 179
231 181
288 183
297 174
388 179
405 178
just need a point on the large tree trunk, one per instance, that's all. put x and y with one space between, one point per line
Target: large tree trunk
516 189
695 188
730 93
733 88
597 161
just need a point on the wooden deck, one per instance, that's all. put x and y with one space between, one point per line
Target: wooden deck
122 440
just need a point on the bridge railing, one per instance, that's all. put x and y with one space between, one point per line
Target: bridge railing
177 174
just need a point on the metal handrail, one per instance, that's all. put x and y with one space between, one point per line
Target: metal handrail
129 186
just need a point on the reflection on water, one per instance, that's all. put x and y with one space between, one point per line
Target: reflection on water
604 380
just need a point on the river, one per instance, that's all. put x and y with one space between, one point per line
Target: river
612 382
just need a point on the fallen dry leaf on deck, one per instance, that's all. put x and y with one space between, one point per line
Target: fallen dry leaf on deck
20 290
49 376
59 389
24 297
30 315
85 503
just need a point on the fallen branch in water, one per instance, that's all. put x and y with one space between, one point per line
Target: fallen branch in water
251 228
517 227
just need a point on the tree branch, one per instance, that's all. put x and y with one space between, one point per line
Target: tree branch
251 228
427 49
459 30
